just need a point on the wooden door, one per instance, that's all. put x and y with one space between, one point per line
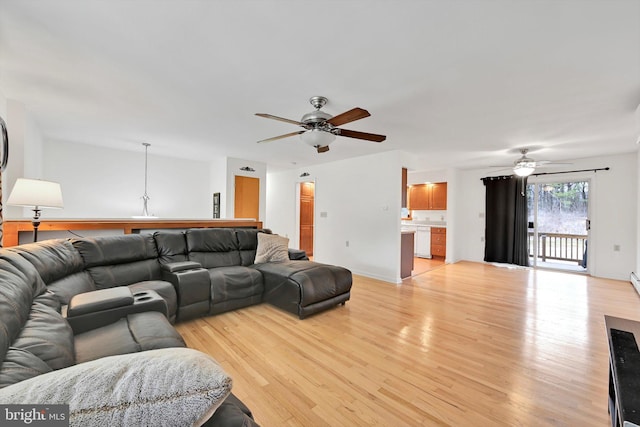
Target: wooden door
403 188
247 198
307 195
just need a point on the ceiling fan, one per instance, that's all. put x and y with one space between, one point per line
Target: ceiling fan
321 129
525 166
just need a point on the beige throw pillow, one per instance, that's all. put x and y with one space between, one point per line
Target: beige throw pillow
271 248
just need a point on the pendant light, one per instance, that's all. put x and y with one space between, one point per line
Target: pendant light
145 197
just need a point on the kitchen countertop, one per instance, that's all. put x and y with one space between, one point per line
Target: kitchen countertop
442 224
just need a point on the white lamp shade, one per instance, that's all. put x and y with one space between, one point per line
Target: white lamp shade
524 168
36 193
317 138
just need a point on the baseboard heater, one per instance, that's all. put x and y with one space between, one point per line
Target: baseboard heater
635 281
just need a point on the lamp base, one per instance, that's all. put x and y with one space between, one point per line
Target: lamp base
36 223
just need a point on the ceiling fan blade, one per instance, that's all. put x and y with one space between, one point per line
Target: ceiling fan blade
323 149
286 135
282 119
348 116
551 163
362 135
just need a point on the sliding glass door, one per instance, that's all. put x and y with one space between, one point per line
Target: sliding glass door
558 224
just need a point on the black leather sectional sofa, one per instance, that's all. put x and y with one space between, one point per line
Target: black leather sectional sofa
66 302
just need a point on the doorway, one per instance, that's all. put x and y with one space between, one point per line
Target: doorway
558 215
247 198
307 203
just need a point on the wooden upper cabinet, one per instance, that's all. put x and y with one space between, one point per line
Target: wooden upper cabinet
418 197
428 196
439 196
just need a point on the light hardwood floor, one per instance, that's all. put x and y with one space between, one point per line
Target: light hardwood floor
465 344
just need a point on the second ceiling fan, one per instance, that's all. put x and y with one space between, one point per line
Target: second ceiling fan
321 129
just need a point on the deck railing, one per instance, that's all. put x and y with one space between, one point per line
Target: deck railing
561 247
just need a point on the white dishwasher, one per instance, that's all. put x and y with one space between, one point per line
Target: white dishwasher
423 241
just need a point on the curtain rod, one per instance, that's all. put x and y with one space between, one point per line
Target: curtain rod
581 170
545 173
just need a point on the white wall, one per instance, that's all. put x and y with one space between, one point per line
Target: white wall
614 216
637 269
356 200
218 183
99 182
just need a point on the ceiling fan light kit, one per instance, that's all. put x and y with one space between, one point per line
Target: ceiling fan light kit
317 138
321 128
524 169
525 166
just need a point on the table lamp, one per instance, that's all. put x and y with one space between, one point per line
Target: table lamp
36 194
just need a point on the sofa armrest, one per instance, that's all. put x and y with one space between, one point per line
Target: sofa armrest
95 309
297 255
175 267
193 287
100 300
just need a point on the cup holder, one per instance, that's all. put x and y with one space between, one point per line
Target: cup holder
147 298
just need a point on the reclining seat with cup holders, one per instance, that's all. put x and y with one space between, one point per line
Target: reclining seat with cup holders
36 339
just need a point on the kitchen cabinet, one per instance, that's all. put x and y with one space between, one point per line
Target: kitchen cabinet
438 241
406 253
428 196
439 196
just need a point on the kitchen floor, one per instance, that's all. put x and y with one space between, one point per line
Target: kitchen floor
422 265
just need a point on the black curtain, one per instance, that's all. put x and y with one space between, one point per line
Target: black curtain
506 237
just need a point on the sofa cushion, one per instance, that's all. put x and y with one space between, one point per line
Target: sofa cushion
119 260
70 286
213 247
115 249
54 259
315 281
20 365
176 387
171 246
247 244
137 332
46 334
238 282
271 248
30 320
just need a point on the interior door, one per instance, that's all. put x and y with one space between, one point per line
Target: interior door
307 197
247 197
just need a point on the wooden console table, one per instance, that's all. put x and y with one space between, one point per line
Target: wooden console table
11 227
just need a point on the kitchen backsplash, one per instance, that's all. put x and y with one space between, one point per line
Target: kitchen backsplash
429 215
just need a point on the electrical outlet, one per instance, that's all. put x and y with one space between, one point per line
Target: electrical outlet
616 248
346 243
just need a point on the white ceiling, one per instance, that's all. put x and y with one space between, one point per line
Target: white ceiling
457 83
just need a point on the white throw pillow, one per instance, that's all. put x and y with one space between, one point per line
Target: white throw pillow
166 387
271 248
